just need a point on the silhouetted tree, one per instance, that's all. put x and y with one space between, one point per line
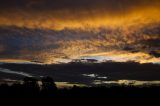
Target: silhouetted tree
48 84
17 89
4 90
31 85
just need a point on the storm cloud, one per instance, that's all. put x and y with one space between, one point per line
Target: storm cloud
61 14
43 29
110 5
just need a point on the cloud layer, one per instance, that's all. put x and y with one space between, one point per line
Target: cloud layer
61 14
42 29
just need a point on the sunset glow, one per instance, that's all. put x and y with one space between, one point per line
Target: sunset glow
45 31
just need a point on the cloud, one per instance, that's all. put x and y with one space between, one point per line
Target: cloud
61 14
45 45
2 48
114 5
59 28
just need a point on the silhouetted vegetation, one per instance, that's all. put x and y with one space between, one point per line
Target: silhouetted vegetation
30 87
48 86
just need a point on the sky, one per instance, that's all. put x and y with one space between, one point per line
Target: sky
44 30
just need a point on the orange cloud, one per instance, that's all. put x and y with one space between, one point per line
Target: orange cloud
70 27
114 14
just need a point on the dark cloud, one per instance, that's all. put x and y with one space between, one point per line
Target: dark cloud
78 26
23 41
110 5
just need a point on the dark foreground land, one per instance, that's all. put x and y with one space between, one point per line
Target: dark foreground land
115 95
30 87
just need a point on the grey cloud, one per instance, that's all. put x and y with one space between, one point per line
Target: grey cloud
110 5
22 41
